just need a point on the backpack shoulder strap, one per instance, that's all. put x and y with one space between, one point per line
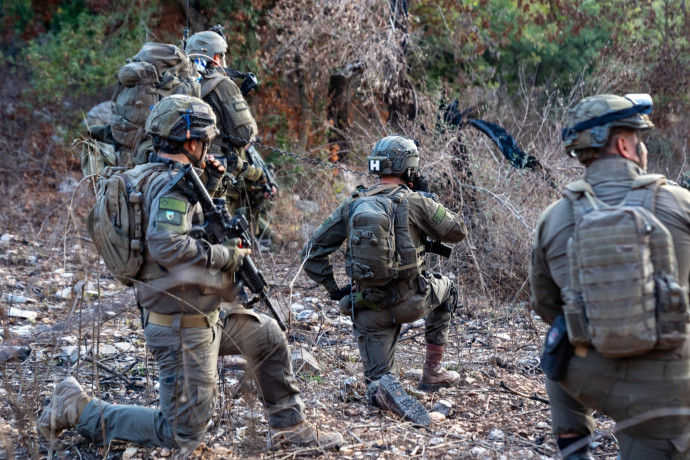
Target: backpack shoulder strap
209 82
643 191
582 199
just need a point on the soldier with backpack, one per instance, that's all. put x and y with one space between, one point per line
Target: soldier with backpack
385 227
178 279
236 123
609 271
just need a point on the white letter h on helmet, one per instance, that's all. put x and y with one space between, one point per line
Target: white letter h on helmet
374 165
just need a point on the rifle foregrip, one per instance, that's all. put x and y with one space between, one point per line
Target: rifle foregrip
251 276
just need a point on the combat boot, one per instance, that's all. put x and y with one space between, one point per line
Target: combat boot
434 376
391 396
302 434
63 411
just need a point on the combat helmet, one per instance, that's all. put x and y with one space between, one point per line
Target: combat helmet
393 155
589 123
202 46
180 117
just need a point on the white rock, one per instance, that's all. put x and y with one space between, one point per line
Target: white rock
129 453
542 425
6 238
436 440
297 307
107 350
123 347
436 417
64 293
314 300
497 435
477 450
23 331
503 336
304 362
12 298
17 313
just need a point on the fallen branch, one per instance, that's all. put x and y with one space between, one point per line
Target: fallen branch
109 370
507 389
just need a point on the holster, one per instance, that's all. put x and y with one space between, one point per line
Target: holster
557 351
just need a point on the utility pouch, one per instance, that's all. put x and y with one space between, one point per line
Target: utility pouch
575 318
370 298
672 312
557 351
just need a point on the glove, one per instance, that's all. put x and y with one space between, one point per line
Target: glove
420 183
340 293
215 168
237 255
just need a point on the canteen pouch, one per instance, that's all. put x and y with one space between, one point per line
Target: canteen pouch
557 351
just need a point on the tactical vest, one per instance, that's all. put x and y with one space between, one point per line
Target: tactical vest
380 248
623 296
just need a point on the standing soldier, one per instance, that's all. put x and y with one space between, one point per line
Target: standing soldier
386 227
235 120
184 326
593 281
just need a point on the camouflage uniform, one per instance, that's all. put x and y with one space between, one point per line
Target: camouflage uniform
377 331
626 387
186 330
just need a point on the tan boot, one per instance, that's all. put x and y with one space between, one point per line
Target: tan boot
63 411
305 435
434 376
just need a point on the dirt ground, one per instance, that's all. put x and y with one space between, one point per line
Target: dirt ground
499 410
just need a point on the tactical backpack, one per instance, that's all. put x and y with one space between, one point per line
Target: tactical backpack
156 71
116 220
623 296
379 246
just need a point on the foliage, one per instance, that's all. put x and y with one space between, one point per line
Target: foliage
83 51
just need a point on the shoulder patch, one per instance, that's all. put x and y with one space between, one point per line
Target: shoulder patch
440 214
170 214
325 222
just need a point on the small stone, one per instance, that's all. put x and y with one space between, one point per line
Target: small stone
11 298
307 316
129 453
436 417
497 435
107 350
64 293
413 374
444 407
502 336
542 425
297 308
304 363
478 451
6 238
435 441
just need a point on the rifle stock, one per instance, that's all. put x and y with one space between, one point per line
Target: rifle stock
219 227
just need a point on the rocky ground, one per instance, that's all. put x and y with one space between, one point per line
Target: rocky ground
63 314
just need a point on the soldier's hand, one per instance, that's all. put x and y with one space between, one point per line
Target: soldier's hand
216 171
340 293
419 183
236 253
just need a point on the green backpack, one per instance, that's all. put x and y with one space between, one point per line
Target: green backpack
156 71
623 296
116 221
379 246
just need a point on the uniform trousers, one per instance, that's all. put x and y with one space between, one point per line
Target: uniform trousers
377 332
638 391
188 360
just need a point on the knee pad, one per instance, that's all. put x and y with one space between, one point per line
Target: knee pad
452 302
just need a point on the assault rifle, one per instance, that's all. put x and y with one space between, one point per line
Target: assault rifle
255 159
219 227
